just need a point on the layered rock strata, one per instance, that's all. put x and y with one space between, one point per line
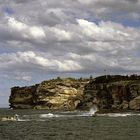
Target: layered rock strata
59 94
107 92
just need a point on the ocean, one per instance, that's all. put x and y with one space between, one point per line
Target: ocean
75 125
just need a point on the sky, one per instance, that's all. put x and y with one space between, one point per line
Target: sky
43 39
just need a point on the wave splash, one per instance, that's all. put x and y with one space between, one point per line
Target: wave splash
49 115
92 111
118 114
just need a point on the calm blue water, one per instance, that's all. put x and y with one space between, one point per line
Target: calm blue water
44 125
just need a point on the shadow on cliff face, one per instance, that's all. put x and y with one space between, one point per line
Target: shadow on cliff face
112 92
22 97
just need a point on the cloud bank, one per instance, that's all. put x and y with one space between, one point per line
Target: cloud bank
40 39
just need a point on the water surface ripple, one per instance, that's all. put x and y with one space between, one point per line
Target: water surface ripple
69 126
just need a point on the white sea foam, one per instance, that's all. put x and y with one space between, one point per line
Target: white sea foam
91 112
49 115
119 114
46 115
23 120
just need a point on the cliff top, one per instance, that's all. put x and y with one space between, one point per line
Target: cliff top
115 78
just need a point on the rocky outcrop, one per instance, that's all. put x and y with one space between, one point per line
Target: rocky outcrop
22 97
107 92
64 94
112 92
135 103
59 94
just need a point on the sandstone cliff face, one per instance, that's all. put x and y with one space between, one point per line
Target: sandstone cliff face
107 92
59 94
135 103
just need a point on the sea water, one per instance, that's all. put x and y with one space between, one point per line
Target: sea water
72 125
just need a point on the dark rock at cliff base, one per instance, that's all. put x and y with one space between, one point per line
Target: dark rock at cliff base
106 92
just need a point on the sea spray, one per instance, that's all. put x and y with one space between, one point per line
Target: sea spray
50 115
92 111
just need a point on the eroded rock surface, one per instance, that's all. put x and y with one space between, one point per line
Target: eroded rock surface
135 103
107 92
59 94
22 97
112 93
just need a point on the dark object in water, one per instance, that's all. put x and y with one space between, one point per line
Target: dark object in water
8 118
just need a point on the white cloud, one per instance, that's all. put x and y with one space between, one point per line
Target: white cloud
26 30
76 36
105 31
16 24
61 34
37 32
30 60
76 47
86 1
68 66
57 34
26 78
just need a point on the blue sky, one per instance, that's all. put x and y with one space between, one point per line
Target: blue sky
41 40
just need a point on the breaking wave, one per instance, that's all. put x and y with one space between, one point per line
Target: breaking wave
91 112
118 114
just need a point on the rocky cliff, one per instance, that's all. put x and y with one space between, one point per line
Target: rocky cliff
59 94
113 93
107 92
22 97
